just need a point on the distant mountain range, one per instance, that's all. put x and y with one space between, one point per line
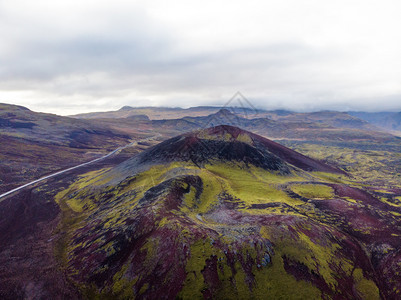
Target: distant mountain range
34 144
274 124
384 120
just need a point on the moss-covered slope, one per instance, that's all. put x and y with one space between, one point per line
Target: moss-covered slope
226 228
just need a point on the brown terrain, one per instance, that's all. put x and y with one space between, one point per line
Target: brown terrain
35 144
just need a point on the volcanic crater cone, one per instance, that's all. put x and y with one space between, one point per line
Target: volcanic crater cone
225 143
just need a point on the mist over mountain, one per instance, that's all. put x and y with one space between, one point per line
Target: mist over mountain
386 120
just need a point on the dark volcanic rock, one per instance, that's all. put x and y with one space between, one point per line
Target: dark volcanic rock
138 118
226 143
205 151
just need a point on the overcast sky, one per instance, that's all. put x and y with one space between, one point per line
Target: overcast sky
73 56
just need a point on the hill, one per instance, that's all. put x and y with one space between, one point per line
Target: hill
387 120
189 219
336 127
34 144
332 118
321 126
225 143
154 113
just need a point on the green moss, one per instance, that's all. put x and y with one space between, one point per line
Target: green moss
275 283
212 187
194 283
252 185
60 195
150 247
238 172
396 201
225 137
76 205
270 282
369 167
314 191
317 256
245 138
331 177
144 288
123 287
367 288
350 199
383 191
190 200
93 178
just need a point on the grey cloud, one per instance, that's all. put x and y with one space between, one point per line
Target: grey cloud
130 57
